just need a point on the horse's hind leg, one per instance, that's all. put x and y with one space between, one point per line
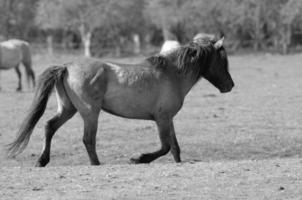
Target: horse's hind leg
27 62
90 130
32 76
168 141
65 111
19 88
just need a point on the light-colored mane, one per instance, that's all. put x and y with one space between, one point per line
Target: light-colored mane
193 56
169 46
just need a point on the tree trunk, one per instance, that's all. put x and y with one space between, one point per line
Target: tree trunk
258 26
165 27
137 43
166 33
64 42
86 39
286 38
49 40
8 17
118 46
87 43
118 51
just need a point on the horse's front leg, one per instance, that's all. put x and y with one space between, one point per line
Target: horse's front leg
175 150
168 141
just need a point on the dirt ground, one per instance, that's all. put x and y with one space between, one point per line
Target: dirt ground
267 179
242 145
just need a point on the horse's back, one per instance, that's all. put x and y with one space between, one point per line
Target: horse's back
88 71
11 53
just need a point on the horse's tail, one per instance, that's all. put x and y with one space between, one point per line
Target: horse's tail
27 62
47 81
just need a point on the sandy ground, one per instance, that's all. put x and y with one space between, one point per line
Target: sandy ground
242 145
269 179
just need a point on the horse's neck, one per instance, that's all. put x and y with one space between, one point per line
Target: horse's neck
187 81
171 56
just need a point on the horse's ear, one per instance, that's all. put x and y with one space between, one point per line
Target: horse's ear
219 43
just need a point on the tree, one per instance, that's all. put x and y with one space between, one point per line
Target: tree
288 13
85 16
165 14
125 21
47 20
80 15
16 17
213 16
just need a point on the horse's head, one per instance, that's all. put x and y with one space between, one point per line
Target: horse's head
217 71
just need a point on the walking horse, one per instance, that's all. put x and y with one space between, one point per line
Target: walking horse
153 89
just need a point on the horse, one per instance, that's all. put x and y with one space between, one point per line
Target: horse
154 89
12 53
168 46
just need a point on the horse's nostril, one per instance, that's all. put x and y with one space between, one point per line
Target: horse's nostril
226 89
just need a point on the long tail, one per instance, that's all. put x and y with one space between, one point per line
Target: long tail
47 81
27 62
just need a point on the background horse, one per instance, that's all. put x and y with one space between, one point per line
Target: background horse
12 53
153 90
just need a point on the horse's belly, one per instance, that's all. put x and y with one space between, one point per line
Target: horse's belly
10 58
129 105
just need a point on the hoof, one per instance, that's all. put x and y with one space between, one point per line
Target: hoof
38 164
95 164
42 162
142 159
19 89
135 161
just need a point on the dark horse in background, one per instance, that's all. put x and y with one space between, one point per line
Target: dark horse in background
12 54
153 90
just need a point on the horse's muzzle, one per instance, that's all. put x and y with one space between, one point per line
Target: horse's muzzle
227 88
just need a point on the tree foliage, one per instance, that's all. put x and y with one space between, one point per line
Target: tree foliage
165 14
17 17
265 24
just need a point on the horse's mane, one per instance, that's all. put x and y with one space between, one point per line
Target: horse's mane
158 61
193 57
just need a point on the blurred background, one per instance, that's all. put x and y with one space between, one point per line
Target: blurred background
138 27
